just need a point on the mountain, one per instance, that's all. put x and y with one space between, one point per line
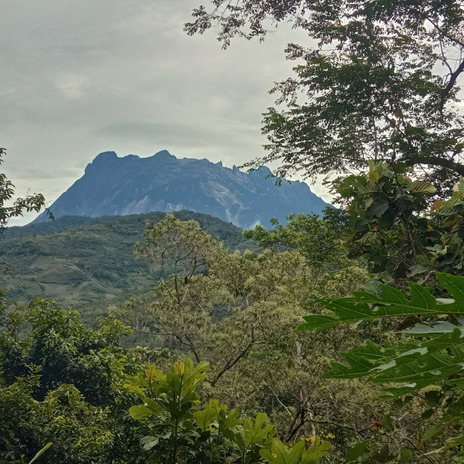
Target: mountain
113 186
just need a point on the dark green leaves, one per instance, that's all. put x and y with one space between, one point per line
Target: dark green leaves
357 451
378 207
437 356
365 306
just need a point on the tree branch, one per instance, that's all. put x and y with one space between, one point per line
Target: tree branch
436 161
452 81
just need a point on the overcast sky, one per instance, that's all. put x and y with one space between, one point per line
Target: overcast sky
82 77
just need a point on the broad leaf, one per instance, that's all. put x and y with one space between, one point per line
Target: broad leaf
207 416
279 454
357 451
140 411
254 433
393 303
420 186
316 452
412 365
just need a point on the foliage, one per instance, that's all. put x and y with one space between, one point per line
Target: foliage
428 364
78 431
399 227
380 83
65 351
447 225
64 384
185 248
40 452
87 263
318 240
33 202
387 225
239 314
181 430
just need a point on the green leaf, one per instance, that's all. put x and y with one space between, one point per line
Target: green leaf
420 186
440 327
316 452
406 455
360 362
257 432
433 398
455 287
228 421
357 451
455 411
432 432
428 413
207 416
140 411
393 303
373 287
411 365
279 454
42 451
378 207
149 442
154 407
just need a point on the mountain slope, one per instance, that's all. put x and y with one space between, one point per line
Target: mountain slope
133 185
90 265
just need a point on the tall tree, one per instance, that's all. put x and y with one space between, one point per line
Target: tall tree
379 80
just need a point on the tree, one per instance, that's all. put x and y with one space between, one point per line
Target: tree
183 431
238 312
388 225
381 83
317 239
29 203
63 383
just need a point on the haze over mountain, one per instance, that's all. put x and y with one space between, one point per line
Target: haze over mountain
113 186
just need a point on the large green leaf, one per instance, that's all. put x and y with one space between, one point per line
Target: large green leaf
378 207
365 306
437 356
357 451
205 417
315 452
421 186
279 454
140 411
254 433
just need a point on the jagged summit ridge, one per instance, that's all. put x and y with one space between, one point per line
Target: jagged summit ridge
113 186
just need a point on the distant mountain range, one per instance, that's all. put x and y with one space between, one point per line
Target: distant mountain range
113 186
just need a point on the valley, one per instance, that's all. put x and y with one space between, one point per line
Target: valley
88 263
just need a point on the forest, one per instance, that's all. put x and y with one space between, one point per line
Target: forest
332 339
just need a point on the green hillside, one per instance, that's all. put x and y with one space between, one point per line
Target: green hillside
88 263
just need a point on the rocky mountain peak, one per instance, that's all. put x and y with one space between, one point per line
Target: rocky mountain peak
113 185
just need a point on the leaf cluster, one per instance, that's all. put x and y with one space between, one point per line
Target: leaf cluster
380 82
182 430
427 364
29 203
63 383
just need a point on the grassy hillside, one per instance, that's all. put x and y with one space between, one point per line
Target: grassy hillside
88 263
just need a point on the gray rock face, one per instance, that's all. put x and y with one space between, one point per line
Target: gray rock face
113 186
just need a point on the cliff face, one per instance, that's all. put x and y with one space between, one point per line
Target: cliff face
113 186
